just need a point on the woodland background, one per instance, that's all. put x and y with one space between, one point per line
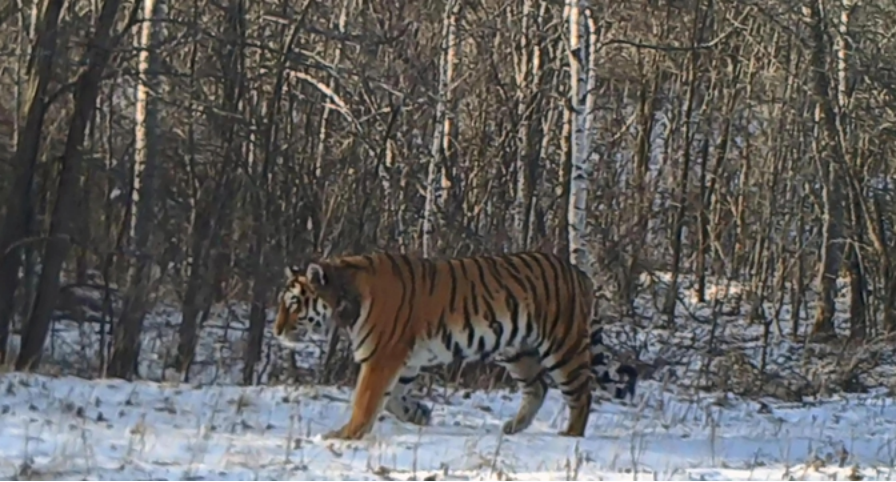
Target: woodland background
187 151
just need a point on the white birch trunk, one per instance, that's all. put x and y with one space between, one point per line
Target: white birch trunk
142 269
582 50
526 59
435 192
146 123
842 46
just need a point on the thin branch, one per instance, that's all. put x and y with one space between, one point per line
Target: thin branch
671 48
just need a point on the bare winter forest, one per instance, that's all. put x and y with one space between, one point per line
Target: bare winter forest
724 168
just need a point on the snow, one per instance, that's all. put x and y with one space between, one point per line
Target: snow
68 428
65 427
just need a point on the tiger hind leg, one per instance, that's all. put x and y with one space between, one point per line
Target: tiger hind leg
404 406
525 368
571 371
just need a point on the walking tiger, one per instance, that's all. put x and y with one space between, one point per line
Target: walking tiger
530 312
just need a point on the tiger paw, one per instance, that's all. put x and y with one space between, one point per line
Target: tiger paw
409 410
420 414
509 427
344 433
514 426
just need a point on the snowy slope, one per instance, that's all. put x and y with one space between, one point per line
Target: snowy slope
69 428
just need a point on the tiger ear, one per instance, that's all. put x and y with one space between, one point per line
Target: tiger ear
315 273
292 271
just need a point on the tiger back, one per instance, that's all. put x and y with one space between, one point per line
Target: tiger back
529 312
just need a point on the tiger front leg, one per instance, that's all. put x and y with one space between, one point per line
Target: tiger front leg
403 405
375 380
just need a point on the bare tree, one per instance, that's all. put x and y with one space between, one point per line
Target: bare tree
583 44
25 159
62 227
126 339
441 138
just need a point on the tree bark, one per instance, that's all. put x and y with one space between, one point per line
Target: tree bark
15 224
435 180
64 210
126 334
582 68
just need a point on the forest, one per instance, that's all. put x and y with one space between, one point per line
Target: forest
182 154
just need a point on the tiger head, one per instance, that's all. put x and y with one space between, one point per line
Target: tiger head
303 306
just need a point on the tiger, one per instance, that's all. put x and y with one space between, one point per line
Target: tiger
529 312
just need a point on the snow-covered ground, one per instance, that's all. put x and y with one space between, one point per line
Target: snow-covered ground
685 423
70 428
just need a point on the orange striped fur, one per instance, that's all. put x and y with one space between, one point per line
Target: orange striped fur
529 312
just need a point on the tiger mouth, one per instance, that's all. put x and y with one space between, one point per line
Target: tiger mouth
296 336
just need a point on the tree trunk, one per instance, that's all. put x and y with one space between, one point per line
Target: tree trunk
435 180
210 203
582 70
676 242
831 159
15 224
262 203
64 211
527 73
126 335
